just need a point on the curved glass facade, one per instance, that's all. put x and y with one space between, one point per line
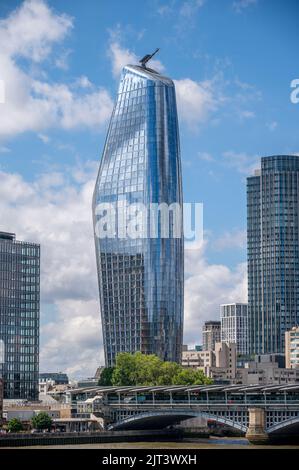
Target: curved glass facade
141 278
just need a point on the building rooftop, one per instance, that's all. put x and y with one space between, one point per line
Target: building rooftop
7 236
189 388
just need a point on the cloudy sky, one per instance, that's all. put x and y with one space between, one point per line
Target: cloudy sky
232 62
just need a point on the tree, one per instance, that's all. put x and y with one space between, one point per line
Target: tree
191 377
105 379
149 370
168 371
125 370
15 425
41 421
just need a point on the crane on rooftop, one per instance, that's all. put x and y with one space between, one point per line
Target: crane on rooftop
148 57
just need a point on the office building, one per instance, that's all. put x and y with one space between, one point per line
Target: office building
292 348
211 334
198 359
234 325
57 378
140 274
273 253
219 364
267 369
19 316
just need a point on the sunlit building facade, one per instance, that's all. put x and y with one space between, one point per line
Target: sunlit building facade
292 348
273 253
234 325
141 278
19 317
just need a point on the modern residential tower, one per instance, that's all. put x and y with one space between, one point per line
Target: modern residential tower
19 317
273 252
234 325
140 277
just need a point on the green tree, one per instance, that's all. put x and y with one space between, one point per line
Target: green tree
125 370
190 377
167 372
15 425
41 421
148 370
105 379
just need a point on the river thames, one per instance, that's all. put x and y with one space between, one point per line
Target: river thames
211 443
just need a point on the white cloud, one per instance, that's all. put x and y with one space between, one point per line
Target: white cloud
55 210
4 149
61 61
241 161
196 100
31 104
240 5
31 30
121 56
231 239
190 7
44 138
73 343
245 114
206 287
206 157
183 12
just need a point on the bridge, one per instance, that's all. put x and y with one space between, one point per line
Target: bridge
260 412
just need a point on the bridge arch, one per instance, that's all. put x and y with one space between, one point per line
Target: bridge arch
160 419
286 424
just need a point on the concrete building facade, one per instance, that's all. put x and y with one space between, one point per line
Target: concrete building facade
211 334
292 348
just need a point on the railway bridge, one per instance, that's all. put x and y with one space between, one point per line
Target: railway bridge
260 412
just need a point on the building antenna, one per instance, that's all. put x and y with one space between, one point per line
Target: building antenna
148 57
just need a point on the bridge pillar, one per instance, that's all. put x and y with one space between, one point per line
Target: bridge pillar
257 423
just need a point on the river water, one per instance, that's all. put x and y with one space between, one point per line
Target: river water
190 443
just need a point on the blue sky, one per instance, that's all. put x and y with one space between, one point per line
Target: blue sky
232 62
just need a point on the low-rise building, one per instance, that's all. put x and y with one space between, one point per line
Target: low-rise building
292 348
198 359
89 382
267 376
220 363
221 366
57 378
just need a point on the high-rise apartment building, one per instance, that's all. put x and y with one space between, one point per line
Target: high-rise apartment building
19 317
211 334
273 252
292 348
1 400
234 325
140 277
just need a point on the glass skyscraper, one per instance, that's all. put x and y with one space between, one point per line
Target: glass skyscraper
273 252
141 279
19 317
